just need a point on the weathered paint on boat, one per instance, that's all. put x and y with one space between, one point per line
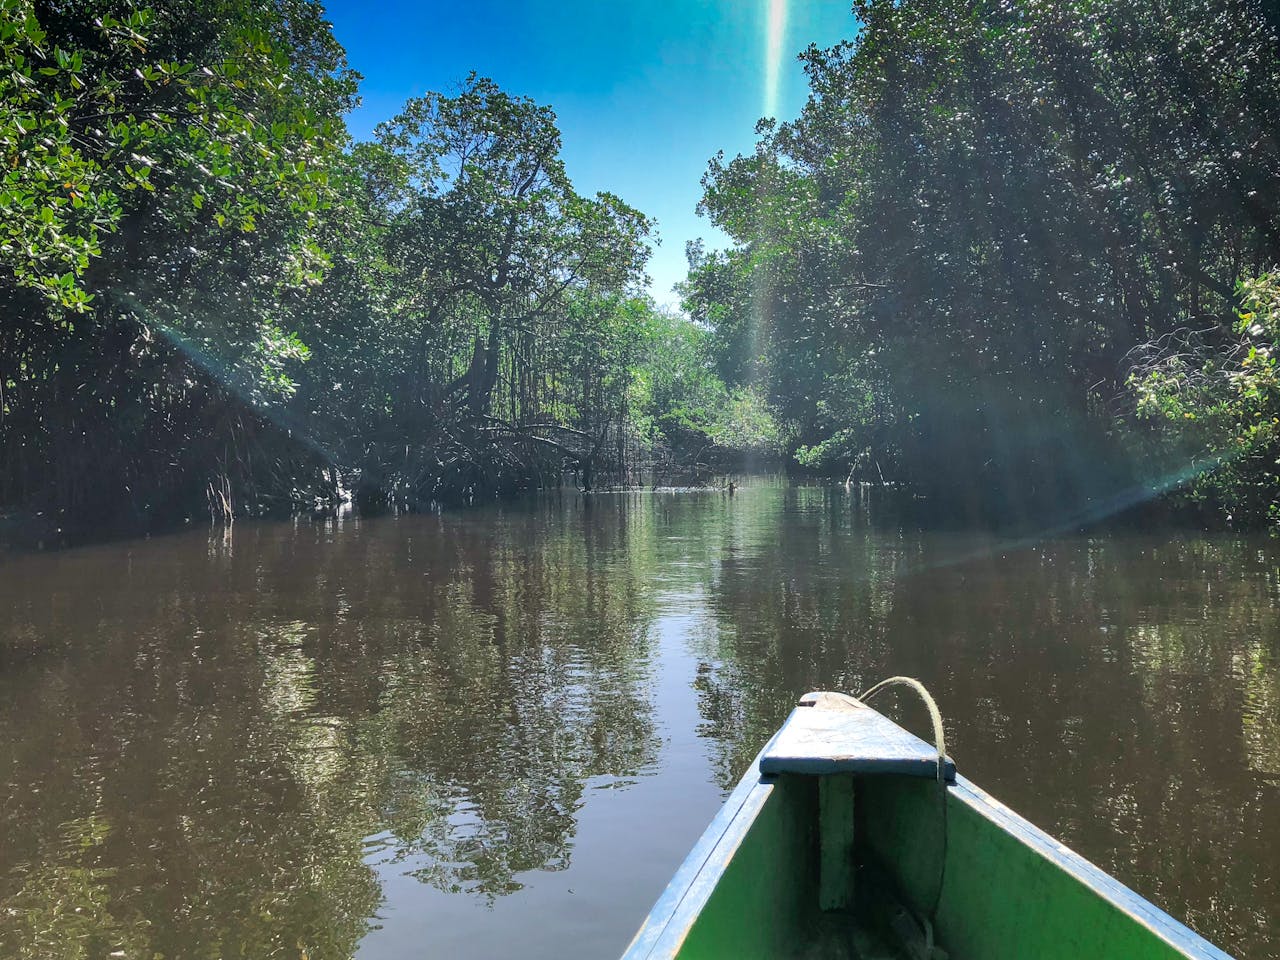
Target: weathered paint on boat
841 785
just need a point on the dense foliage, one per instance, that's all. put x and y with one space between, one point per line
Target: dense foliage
166 173
1216 403
1017 255
957 266
211 296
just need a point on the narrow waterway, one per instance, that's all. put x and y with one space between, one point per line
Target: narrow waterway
496 733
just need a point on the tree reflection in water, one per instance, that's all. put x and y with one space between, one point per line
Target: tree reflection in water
1120 690
208 733
222 748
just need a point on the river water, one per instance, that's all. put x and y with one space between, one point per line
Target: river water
496 733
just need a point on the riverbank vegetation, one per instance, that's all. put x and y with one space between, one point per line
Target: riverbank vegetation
1017 256
214 299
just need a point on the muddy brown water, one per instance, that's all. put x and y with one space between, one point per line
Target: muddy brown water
496 733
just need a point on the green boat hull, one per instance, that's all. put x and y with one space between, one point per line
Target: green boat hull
858 862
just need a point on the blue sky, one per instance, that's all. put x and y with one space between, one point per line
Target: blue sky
646 91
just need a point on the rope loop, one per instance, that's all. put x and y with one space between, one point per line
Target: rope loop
939 741
935 715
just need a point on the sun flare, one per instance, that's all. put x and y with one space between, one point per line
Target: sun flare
775 30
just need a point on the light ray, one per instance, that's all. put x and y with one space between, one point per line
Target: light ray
774 35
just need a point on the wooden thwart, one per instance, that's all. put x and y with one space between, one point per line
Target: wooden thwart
834 733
